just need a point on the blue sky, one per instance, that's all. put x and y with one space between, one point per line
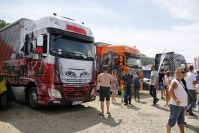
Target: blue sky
150 25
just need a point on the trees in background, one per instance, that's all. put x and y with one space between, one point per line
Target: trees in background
147 60
3 23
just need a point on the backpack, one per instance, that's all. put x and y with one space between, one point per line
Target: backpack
137 82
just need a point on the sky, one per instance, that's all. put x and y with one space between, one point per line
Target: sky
151 25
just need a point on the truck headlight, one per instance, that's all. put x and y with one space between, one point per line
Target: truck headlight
92 92
54 93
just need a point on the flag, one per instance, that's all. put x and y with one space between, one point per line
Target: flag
162 58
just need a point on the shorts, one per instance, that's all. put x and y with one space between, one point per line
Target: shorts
160 86
176 115
122 94
104 93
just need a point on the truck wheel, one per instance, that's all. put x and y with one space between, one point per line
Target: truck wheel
4 103
33 97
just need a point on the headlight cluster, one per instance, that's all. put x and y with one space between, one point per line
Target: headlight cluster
54 93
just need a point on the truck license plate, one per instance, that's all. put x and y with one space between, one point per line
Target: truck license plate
77 102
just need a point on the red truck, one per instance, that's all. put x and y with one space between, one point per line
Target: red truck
49 61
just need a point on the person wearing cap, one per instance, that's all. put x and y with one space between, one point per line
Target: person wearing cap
127 80
191 82
178 101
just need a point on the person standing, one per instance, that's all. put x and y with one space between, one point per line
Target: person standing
141 74
197 76
178 101
167 80
105 79
185 88
127 80
191 82
122 93
115 79
153 84
160 86
136 86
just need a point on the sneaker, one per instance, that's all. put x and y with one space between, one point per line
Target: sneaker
108 113
191 114
185 123
156 101
125 104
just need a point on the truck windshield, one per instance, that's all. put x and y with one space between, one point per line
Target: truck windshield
134 62
65 47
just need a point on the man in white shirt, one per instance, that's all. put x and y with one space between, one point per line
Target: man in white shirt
178 101
191 82
154 79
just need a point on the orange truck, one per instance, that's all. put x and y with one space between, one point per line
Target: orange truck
118 57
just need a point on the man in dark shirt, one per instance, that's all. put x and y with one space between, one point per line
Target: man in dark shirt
127 80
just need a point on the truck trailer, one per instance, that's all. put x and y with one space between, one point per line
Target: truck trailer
49 61
170 62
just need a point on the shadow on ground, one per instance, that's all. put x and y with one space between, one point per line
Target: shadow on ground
54 118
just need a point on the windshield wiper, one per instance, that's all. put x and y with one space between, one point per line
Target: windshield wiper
57 37
63 53
89 57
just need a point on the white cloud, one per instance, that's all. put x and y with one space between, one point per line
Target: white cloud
181 37
151 42
185 9
36 9
187 27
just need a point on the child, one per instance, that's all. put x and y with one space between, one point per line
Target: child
122 93
197 101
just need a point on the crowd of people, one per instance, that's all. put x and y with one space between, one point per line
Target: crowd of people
180 90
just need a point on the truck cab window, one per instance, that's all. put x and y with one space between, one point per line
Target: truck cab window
27 49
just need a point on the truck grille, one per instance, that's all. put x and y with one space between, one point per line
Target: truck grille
76 92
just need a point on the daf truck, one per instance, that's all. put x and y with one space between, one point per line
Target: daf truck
49 61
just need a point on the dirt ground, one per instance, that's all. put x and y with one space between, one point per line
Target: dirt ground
141 117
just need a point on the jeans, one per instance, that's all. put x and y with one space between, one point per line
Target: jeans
152 92
176 115
136 93
191 100
127 95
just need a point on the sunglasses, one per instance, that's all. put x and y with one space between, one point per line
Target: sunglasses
182 72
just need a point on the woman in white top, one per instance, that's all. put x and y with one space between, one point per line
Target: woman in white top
167 80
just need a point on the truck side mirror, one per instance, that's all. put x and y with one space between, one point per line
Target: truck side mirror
40 40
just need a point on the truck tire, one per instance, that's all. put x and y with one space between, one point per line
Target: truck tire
4 102
33 98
